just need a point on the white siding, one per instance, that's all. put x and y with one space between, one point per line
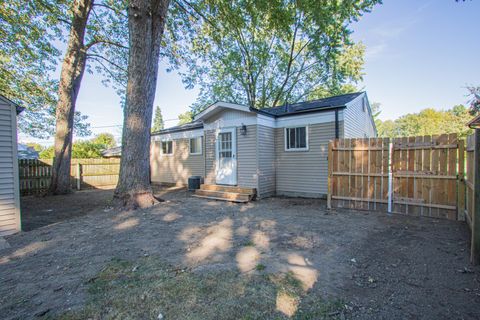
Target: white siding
9 193
358 120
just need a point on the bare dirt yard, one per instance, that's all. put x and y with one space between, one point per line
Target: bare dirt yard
190 258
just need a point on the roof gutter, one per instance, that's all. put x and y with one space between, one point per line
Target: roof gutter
165 131
321 109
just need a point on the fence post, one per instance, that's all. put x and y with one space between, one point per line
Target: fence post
330 169
79 175
475 245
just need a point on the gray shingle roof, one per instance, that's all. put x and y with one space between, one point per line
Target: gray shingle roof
182 127
325 103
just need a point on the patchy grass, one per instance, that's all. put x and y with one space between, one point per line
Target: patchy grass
249 243
145 288
260 267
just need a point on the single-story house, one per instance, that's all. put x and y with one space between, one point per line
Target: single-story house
9 187
277 151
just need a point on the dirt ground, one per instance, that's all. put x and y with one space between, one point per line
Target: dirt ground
378 266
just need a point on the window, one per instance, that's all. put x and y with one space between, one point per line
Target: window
296 139
196 145
167 147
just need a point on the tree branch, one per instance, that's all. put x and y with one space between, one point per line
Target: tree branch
290 62
103 5
97 56
104 41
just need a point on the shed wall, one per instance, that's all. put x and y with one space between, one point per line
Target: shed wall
9 189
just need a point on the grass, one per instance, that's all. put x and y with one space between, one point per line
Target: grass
260 267
144 288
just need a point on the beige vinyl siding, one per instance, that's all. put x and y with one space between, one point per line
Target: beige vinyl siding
358 122
247 158
266 161
210 156
177 167
304 173
9 192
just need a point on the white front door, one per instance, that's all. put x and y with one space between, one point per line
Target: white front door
226 153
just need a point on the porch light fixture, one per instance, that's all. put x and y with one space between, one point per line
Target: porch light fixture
243 130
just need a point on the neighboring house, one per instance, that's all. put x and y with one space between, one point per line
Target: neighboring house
26 152
278 151
115 152
9 187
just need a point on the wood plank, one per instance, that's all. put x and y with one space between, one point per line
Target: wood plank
360 174
461 181
357 199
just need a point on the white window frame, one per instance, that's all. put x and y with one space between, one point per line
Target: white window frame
161 148
286 142
190 146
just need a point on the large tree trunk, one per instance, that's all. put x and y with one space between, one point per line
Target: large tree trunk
146 21
71 75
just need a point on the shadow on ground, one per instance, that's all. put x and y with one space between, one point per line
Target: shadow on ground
335 264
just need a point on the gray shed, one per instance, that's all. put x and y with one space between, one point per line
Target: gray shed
9 187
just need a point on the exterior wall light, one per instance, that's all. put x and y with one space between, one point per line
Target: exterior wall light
243 130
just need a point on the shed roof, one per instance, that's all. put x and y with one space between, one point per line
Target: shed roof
18 108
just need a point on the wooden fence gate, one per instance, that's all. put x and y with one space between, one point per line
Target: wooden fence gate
415 176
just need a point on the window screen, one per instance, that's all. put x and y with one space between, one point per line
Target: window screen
167 147
296 138
196 145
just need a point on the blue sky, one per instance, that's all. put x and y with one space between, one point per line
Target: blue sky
419 54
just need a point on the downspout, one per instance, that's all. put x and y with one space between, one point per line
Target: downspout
337 134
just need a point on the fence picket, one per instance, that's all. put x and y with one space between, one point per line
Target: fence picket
425 172
35 175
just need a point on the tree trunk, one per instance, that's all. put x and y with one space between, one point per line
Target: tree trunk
71 75
146 21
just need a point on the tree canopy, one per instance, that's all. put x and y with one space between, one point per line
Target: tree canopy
427 122
32 34
157 120
264 53
185 117
84 149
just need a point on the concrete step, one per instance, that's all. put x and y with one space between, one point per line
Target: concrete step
222 195
233 189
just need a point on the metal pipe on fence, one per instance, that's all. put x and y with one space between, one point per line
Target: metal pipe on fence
390 177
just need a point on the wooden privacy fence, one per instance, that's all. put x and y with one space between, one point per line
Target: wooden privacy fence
35 175
470 180
415 176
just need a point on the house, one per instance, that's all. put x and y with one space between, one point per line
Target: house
9 187
276 151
